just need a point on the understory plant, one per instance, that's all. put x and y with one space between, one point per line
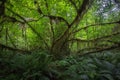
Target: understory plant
41 66
99 66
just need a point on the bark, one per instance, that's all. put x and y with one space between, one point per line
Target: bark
4 47
2 7
60 46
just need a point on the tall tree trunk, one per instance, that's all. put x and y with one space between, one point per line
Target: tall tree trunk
60 48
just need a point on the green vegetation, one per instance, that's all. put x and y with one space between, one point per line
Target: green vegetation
40 66
59 40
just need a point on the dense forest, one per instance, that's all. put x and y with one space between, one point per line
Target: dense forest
59 39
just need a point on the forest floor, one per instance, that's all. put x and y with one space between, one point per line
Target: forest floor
40 66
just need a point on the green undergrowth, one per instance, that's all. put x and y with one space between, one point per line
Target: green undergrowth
41 66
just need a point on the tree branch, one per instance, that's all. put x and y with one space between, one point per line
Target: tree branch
30 27
59 18
2 46
50 16
80 13
72 2
99 50
51 23
96 39
83 8
94 25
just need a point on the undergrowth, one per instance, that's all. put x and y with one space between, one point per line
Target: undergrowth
40 66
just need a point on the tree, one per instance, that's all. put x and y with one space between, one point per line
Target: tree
61 26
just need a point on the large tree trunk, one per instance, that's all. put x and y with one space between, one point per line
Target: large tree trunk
60 48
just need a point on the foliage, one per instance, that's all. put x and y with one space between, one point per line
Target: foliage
24 67
55 39
39 66
100 66
59 26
